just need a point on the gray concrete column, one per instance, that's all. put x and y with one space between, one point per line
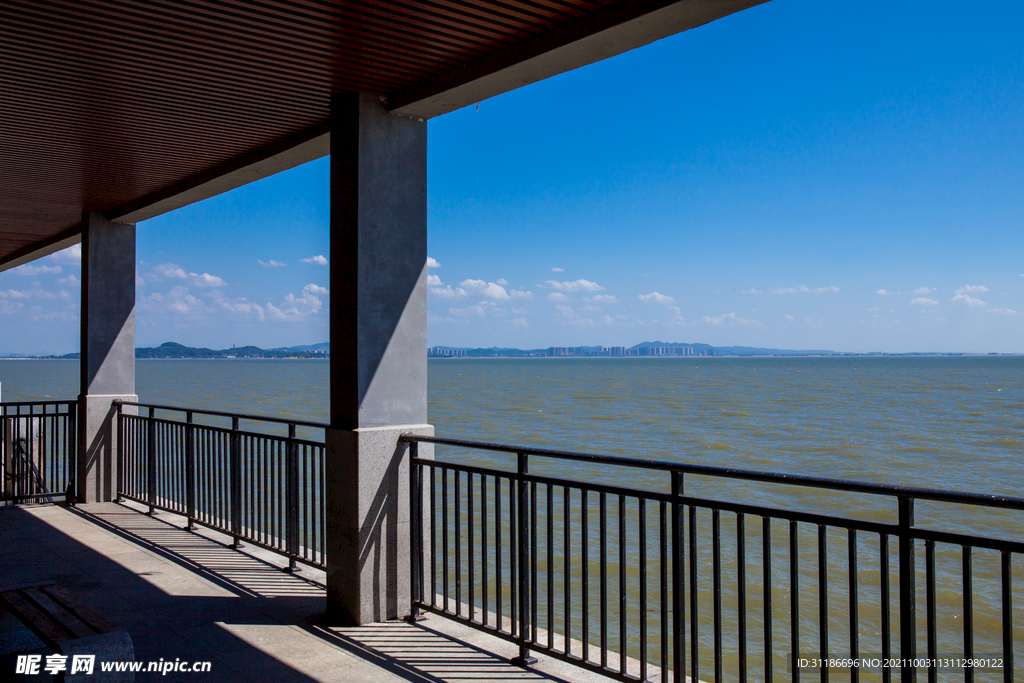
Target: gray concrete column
378 354
108 350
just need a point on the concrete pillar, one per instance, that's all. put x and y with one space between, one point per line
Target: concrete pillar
378 354
108 350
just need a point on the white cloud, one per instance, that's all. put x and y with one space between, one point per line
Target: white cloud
431 263
434 281
36 270
730 319
205 280
656 298
875 309
922 301
71 281
753 291
521 294
503 282
172 271
71 256
270 264
298 308
972 289
963 298
789 317
602 299
884 293
803 289
318 260
921 291
489 290
520 322
1003 311
607 320
580 285
447 292
558 296
562 270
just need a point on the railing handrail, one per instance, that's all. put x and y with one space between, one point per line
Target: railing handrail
899 491
219 413
227 430
15 404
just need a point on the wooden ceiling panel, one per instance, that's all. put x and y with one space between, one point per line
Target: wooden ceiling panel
106 103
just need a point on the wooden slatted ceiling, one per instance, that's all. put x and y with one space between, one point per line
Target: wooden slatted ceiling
105 102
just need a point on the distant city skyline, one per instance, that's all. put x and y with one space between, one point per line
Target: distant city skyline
799 175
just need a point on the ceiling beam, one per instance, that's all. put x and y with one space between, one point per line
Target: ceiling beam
615 29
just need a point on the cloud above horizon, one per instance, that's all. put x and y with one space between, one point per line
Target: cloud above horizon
580 285
656 298
318 260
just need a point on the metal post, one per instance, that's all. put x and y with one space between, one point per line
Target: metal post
678 597
236 485
416 536
908 590
524 658
120 454
292 500
190 472
151 460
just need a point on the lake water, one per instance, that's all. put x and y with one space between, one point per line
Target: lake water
939 422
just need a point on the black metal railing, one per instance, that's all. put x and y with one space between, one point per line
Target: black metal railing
261 487
632 576
38 451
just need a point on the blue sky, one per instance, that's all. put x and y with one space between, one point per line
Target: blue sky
800 175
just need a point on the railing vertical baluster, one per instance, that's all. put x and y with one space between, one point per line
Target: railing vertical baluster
603 545
968 593
534 590
823 600
794 600
433 536
883 545
622 585
741 594
551 565
929 570
766 570
716 542
1007 581
458 542
470 531
567 561
908 590
694 613
499 585
524 658
235 494
854 605
151 461
444 538
585 579
190 473
642 516
663 586
484 551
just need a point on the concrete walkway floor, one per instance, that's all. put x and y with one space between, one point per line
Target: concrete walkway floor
186 595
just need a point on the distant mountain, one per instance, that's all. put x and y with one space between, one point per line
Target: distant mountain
175 350
324 347
696 349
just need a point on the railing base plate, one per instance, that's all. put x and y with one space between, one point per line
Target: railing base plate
522 661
